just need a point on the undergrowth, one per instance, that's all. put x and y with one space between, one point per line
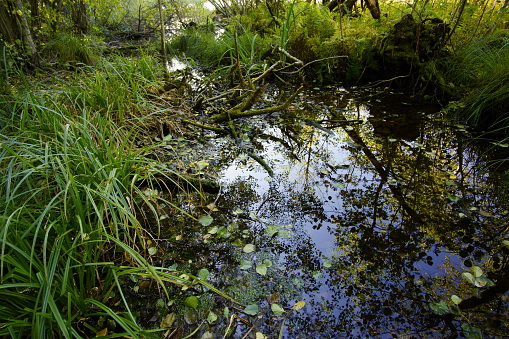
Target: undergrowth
72 210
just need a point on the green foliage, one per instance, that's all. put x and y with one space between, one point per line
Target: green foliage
70 208
478 74
117 89
69 48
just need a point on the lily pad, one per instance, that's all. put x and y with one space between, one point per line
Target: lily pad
299 305
248 248
205 220
261 269
277 309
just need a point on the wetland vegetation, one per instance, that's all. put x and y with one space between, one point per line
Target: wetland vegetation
254 169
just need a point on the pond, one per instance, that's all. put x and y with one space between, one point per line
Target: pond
376 206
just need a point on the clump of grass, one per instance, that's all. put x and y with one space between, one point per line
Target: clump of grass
73 49
71 212
478 75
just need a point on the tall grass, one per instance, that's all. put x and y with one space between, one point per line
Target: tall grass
478 74
71 211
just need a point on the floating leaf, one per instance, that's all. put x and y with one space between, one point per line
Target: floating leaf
205 220
168 321
201 164
477 271
471 332
213 230
276 309
271 230
338 185
237 211
226 312
261 269
327 264
267 262
192 301
260 335
468 277
455 299
440 308
212 317
152 250
203 274
207 335
299 305
393 140
317 274
249 248
222 232
251 309
245 265
485 214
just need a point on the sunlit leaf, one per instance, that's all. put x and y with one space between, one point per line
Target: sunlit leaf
226 312
338 185
455 299
237 211
212 317
201 164
203 274
102 333
260 335
393 140
213 230
251 309
192 301
440 308
245 264
267 262
348 128
152 250
299 305
249 248
468 277
261 269
277 309
271 230
471 332
206 220
212 207
327 264
477 271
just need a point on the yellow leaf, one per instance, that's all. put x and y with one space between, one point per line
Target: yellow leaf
102 333
260 335
19 12
299 305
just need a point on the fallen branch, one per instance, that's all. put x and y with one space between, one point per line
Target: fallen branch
236 114
207 127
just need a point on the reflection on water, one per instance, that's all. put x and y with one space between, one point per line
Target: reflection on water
367 223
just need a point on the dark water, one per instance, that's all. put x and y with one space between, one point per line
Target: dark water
367 219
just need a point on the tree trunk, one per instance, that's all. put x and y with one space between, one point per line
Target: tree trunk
373 7
9 27
26 34
79 17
